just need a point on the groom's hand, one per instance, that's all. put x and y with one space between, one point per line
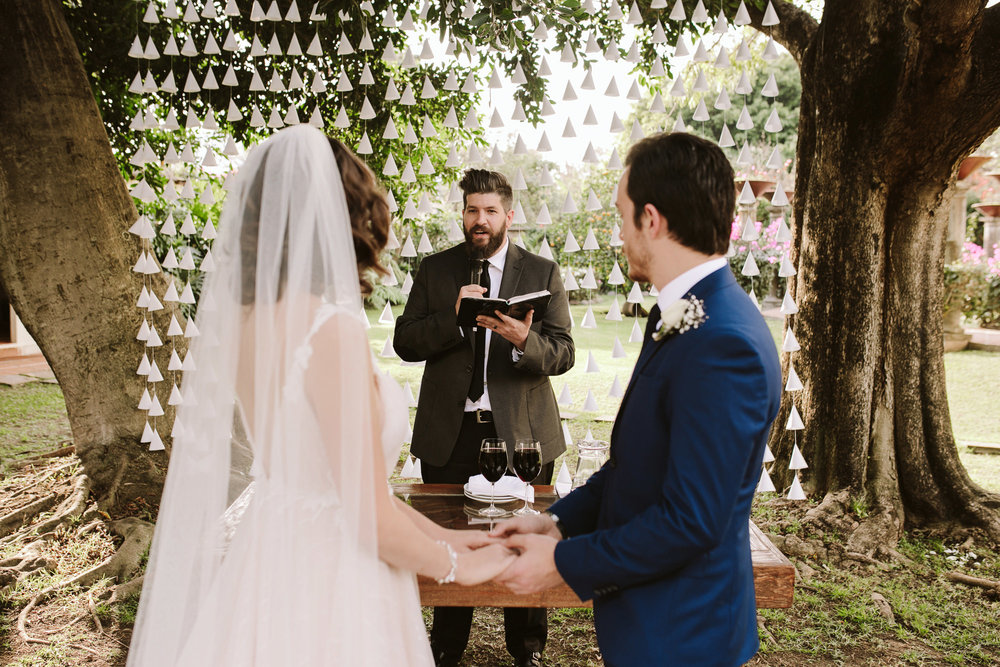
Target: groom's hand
534 569
536 524
470 540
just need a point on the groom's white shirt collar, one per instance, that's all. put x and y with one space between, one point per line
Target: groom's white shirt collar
679 286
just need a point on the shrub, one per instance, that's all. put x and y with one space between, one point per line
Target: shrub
973 284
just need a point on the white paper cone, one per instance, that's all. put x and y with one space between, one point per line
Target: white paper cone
565 398
616 388
790 344
386 316
796 492
788 306
636 335
793 383
407 471
634 294
567 436
765 485
794 423
614 311
155 443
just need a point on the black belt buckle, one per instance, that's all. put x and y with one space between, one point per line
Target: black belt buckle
484 417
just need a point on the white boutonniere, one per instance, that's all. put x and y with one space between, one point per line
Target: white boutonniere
680 316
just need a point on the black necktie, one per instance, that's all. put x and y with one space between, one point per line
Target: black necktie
479 343
654 318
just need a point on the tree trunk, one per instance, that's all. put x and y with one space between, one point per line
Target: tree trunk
67 255
885 117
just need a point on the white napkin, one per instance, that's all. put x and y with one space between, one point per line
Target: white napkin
507 486
563 481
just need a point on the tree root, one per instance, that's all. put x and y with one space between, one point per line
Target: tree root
40 458
71 508
130 588
137 536
863 558
43 478
93 613
767 633
14 520
992 586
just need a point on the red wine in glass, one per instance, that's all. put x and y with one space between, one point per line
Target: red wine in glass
527 465
492 465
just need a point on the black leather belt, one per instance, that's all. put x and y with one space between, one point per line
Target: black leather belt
481 416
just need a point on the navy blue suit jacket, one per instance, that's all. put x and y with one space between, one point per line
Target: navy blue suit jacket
659 536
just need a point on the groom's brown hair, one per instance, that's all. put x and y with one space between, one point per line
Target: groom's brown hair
690 182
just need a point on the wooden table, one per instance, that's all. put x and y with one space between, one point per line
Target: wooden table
773 574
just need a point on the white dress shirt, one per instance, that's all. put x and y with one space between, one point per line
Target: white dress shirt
495 266
676 289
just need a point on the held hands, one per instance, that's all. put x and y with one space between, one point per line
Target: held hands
534 538
469 540
534 524
475 567
534 569
516 331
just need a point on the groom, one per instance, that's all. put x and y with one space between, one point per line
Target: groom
658 538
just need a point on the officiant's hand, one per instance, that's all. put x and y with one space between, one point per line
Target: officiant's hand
475 567
535 567
516 331
536 524
474 291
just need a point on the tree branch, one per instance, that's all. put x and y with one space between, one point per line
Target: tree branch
795 30
979 107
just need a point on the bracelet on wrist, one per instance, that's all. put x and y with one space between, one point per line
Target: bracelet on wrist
453 560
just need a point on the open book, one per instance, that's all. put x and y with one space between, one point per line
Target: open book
516 307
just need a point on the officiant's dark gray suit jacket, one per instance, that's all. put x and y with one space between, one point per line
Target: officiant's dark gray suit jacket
521 396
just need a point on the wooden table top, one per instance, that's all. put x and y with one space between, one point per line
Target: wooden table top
445 504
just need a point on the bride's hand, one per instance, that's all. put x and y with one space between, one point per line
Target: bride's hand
475 567
470 540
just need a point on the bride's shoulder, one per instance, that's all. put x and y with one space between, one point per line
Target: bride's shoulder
337 324
337 315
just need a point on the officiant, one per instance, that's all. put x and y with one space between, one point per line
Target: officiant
487 381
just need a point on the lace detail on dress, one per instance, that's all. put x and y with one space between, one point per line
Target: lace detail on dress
302 354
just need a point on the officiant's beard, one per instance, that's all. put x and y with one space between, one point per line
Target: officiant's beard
483 250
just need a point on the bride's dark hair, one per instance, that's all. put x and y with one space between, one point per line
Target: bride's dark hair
368 210
366 206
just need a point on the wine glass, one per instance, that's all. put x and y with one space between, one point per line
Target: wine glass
527 465
492 465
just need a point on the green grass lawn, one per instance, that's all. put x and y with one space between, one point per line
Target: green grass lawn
32 419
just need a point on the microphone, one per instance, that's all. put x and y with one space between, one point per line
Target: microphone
475 271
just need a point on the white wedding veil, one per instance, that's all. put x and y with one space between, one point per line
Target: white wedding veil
304 555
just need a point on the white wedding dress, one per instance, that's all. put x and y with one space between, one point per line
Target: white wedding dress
265 610
296 580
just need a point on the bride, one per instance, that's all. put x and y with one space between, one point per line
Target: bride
319 570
